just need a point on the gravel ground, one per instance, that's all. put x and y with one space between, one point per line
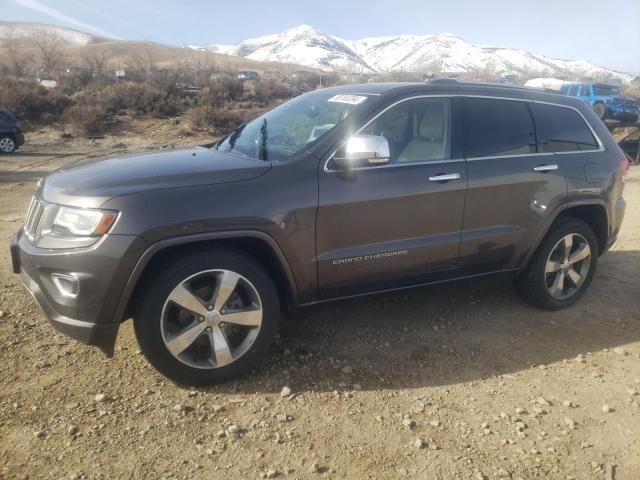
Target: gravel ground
457 381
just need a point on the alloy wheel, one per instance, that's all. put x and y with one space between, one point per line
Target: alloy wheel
567 266
7 145
211 319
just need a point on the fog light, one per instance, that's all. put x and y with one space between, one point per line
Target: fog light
66 284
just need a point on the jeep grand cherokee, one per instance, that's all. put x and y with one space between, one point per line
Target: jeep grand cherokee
339 192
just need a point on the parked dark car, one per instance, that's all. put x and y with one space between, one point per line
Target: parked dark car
11 136
605 100
340 192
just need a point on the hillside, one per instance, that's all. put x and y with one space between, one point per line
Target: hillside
414 53
75 47
27 30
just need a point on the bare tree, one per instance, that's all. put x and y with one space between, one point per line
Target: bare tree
49 47
488 72
95 60
196 67
20 59
143 59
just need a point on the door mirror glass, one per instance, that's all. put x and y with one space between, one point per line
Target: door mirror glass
363 150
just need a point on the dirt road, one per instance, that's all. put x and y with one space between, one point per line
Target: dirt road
459 381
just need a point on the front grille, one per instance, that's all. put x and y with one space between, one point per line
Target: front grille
627 103
34 214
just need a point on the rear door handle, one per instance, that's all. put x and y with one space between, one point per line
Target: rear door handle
444 177
545 168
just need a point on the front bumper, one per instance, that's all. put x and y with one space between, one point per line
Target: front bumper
622 112
87 317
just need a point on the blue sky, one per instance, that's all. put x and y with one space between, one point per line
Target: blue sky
605 32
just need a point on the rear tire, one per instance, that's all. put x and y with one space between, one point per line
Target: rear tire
7 144
191 334
557 276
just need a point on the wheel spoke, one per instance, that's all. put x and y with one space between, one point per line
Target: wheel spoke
558 284
182 297
219 346
552 266
247 318
574 276
228 283
568 244
583 252
185 339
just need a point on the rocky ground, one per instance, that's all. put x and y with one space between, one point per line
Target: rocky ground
462 381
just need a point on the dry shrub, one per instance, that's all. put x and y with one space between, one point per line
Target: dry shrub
138 98
267 90
221 91
87 118
222 119
30 101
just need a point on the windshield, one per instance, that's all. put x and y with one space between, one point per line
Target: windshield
292 126
605 90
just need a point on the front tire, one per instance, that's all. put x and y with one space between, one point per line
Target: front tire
562 268
7 144
208 317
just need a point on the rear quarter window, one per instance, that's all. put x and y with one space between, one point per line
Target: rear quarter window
561 129
497 128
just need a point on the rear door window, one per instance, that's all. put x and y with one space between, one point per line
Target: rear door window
584 91
497 128
561 129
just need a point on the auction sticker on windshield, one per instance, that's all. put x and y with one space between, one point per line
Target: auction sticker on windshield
350 99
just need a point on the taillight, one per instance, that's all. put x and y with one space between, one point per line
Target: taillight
19 125
624 166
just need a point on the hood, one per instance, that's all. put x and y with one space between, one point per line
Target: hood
92 183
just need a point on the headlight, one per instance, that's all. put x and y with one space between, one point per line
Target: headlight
82 222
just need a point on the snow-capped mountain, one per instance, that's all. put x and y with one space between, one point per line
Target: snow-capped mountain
319 50
22 30
418 53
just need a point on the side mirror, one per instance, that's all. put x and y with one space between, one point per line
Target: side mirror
363 149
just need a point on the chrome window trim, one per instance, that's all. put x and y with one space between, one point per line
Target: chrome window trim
471 159
488 157
404 164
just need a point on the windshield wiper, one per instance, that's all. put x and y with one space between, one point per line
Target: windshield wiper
262 141
232 137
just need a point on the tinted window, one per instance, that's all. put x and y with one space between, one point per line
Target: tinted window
498 127
606 90
584 91
417 130
561 129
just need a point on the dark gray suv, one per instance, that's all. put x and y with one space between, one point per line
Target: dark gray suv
340 192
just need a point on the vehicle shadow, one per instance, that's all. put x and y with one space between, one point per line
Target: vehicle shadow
446 334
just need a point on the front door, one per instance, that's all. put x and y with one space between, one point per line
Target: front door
397 224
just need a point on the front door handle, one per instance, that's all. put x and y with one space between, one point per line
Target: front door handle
444 177
545 168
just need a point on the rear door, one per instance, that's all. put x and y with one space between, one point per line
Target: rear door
397 224
512 187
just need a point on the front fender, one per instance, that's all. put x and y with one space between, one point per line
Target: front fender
161 245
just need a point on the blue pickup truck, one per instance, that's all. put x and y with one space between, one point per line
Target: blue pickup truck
605 100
